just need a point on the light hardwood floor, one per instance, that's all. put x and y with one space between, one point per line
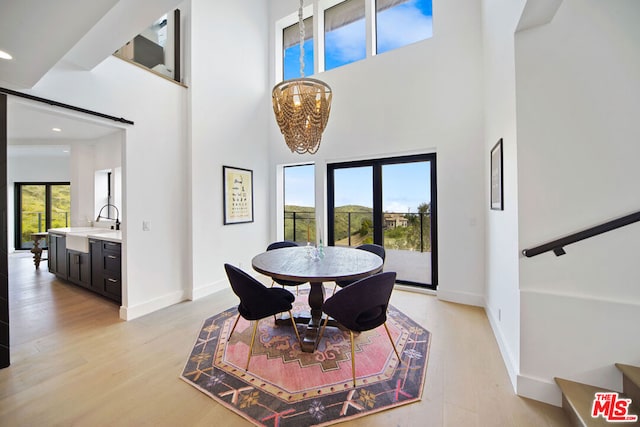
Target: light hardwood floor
75 363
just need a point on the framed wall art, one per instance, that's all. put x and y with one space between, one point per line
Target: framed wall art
238 195
497 190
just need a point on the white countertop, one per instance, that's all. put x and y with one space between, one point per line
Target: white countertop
90 232
110 236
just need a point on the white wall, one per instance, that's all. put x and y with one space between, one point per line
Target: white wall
230 102
154 169
502 296
37 168
578 97
423 98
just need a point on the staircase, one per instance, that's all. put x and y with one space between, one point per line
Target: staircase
578 398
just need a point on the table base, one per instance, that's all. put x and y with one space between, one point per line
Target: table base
311 334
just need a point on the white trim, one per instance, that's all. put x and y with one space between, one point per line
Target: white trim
415 289
466 298
538 389
596 298
209 289
507 357
130 313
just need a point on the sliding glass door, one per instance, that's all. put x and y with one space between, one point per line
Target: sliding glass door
390 202
39 207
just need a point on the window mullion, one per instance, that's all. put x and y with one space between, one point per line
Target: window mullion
318 36
370 22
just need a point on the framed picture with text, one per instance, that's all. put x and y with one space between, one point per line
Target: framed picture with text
238 195
497 190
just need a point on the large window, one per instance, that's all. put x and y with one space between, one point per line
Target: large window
40 206
354 30
345 36
389 202
299 204
401 22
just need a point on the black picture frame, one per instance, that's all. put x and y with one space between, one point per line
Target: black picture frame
237 187
497 187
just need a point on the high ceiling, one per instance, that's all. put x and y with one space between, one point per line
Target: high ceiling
41 33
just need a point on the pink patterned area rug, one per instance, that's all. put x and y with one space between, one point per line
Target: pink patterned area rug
287 387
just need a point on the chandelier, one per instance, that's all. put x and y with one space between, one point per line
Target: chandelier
302 106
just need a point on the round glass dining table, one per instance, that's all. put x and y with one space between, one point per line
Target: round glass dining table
298 264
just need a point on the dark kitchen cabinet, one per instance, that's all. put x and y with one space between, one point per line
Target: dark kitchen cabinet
58 255
106 268
79 268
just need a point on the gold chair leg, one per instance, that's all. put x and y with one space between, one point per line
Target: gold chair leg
324 325
253 337
391 339
234 327
295 328
353 360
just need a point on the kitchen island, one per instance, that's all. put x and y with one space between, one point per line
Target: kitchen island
89 257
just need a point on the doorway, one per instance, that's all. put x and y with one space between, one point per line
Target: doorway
390 202
39 207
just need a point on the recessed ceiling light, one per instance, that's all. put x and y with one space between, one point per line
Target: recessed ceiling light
56 129
5 55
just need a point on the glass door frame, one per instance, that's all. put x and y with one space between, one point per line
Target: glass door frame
378 217
18 210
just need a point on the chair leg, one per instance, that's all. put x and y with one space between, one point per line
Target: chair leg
253 337
334 289
234 326
324 325
391 339
353 360
295 328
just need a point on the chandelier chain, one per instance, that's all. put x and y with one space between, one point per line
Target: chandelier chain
301 28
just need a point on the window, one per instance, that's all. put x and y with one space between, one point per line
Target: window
402 22
353 30
299 203
158 47
389 202
345 36
291 49
39 207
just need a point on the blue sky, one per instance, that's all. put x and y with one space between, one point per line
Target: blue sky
397 26
405 186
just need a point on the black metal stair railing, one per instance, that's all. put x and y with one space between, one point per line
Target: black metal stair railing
557 246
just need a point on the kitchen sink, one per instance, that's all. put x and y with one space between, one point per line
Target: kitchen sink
79 240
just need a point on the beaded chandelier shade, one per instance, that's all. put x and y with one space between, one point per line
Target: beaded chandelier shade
302 106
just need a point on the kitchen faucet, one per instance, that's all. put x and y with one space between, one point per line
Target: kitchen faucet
108 217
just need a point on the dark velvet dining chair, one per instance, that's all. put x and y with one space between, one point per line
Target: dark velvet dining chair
361 306
257 302
369 247
284 244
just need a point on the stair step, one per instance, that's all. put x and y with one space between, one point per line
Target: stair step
577 401
631 382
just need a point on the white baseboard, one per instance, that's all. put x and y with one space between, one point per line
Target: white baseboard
507 356
540 390
209 289
133 312
461 297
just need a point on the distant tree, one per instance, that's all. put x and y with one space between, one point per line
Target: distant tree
365 226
